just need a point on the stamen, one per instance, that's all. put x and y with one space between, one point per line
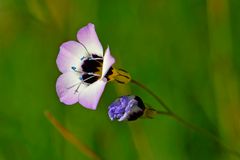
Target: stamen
76 91
88 78
73 85
85 48
79 83
75 69
96 58
94 74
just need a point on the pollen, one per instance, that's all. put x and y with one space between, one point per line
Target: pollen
74 68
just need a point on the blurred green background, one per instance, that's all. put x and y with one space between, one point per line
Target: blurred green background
186 51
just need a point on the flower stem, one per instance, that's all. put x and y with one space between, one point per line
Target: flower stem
203 132
152 94
187 124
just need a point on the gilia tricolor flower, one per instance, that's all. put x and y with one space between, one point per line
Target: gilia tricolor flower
126 108
85 71
129 108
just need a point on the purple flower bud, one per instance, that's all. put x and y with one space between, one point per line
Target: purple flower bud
126 108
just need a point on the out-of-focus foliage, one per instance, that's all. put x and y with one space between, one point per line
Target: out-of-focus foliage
187 51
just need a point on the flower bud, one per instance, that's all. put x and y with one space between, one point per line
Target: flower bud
126 108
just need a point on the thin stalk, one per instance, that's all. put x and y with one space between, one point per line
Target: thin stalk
71 137
152 94
187 124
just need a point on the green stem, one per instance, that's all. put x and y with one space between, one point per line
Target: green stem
187 124
152 94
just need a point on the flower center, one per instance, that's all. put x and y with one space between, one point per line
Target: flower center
92 64
92 69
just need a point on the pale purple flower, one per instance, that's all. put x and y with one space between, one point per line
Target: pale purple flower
126 108
84 69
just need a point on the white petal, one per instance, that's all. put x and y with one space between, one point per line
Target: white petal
88 37
70 55
90 96
108 61
66 87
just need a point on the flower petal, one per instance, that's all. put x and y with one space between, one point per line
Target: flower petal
88 37
108 61
66 87
70 55
90 96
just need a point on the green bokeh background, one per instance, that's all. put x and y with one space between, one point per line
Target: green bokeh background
186 51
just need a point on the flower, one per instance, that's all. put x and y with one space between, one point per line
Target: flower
126 108
85 71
